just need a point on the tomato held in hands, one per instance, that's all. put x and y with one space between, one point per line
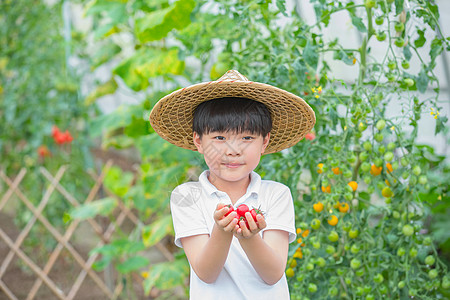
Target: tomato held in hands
254 212
241 210
231 209
245 220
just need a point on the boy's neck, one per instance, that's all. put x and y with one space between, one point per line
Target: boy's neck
234 189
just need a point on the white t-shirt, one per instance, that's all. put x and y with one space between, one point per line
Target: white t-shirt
193 205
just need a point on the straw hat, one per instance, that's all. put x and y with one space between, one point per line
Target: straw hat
292 117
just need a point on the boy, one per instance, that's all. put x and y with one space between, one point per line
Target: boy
232 122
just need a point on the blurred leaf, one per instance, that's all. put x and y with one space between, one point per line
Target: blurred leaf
118 142
422 81
116 10
153 146
118 248
300 69
106 88
153 233
132 264
439 228
356 21
101 264
121 117
161 63
127 69
399 6
420 41
407 52
436 48
118 181
101 207
282 7
156 25
146 63
138 127
104 54
167 275
311 55
441 124
343 56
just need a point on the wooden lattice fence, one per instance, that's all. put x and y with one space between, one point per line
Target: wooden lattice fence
105 287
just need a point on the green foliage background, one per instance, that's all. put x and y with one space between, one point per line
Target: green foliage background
156 47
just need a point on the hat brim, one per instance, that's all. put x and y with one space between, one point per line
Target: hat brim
292 117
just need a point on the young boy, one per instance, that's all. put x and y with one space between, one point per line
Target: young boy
232 122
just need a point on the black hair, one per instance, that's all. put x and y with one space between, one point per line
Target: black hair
232 114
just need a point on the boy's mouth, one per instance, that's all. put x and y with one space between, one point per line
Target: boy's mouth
232 165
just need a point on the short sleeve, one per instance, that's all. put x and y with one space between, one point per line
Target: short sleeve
186 212
280 213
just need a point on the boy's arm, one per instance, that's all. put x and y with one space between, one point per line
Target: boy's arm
207 254
268 255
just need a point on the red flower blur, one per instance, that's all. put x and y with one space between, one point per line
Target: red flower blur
43 151
61 137
310 136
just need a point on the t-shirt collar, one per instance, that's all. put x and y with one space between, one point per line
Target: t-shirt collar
253 187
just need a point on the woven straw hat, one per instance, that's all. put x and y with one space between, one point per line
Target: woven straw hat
292 117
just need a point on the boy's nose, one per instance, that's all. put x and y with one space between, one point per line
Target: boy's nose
233 148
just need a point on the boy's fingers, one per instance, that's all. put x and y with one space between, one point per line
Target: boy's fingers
220 212
225 221
251 223
231 226
261 221
245 231
220 206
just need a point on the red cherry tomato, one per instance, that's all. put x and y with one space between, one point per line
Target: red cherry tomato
241 210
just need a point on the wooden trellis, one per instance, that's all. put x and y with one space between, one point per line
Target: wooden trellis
63 240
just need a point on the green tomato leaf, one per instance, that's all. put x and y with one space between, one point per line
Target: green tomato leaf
167 275
106 88
104 54
138 127
422 81
441 124
101 264
118 181
156 25
161 63
407 52
311 55
282 7
344 57
127 69
436 48
132 264
146 63
300 70
420 41
120 118
357 21
153 233
101 207
115 10
399 6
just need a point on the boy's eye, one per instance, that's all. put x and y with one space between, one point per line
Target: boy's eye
220 138
248 138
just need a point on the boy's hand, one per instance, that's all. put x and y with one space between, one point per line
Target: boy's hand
226 223
242 231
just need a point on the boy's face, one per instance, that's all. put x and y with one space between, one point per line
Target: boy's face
230 157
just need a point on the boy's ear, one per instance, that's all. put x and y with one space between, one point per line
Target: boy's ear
265 142
197 142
